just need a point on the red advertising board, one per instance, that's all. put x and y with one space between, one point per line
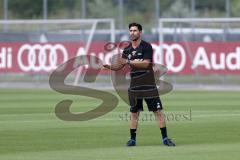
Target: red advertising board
179 58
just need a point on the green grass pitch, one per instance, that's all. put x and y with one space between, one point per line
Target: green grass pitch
203 124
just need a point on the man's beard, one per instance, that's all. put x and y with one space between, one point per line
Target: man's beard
134 38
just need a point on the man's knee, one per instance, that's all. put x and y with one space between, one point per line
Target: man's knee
159 115
134 116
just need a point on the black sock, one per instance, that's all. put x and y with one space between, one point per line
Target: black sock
164 132
133 133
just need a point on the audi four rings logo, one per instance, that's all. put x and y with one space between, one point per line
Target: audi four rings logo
170 53
41 57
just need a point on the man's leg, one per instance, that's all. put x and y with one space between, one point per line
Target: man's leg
134 120
162 125
155 105
160 118
161 122
133 128
135 108
134 124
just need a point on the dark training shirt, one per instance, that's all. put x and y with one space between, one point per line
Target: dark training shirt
140 77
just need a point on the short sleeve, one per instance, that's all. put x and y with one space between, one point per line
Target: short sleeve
148 52
124 54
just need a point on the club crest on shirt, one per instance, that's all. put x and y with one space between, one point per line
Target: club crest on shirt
134 52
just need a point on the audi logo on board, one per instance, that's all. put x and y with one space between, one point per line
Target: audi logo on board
169 56
41 57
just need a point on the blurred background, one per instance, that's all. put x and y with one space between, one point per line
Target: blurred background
201 37
122 11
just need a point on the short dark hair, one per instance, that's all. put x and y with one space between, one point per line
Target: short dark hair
139 26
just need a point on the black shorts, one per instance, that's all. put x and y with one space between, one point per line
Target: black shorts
153 104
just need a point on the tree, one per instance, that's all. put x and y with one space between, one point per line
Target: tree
26 9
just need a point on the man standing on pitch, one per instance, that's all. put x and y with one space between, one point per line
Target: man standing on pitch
138 55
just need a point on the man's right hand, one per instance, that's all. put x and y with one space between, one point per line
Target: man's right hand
106 66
